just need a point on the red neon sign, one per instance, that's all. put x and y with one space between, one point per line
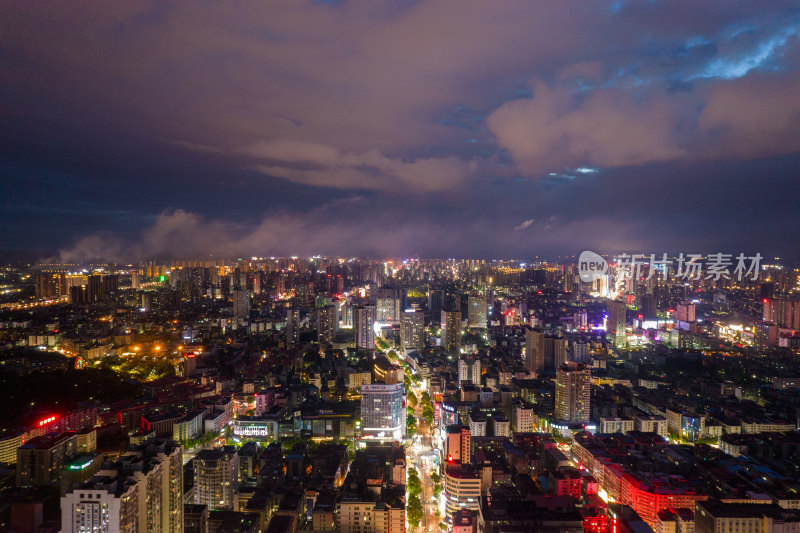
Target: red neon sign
46 421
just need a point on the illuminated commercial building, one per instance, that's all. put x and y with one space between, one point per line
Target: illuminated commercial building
383 413
573 388
462 488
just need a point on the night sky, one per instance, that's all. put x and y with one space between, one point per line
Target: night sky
506 129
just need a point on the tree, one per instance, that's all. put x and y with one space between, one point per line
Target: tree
427 413
412 398
426 398
414 511
436 478
414 484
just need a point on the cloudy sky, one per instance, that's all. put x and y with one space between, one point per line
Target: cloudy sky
437 128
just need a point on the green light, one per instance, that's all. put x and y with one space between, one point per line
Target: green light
161 278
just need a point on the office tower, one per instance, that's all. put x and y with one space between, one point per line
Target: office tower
108 502
469 369
241 306
292 325
580 352
435 301
451 330
534 351
40 461
555 352
326 324
477 312
215 477
615 324
364 323
573 388
383 414
685 312
412 330
457 445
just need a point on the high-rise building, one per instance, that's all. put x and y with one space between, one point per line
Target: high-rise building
435 301
383 413
462 488
555 352
685 312
783 312
477 312
534 351
215 477
457 445
573 389
241 306
451 330
412 330
469 369
154 470
109 501
580 352
615 324
50 284
326 324
364 322
40 460
292 325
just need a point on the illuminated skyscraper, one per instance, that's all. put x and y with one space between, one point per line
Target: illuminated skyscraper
534 351
412 330
477 312
615 324
451 330
364 323
383 413
215 477
241 307
326 324
573 389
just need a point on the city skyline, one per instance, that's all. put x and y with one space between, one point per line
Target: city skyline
405 129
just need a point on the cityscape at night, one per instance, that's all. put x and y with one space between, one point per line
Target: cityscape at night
400 266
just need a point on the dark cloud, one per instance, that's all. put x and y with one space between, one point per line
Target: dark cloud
176 128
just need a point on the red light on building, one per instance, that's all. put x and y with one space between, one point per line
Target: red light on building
46 421
670 311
